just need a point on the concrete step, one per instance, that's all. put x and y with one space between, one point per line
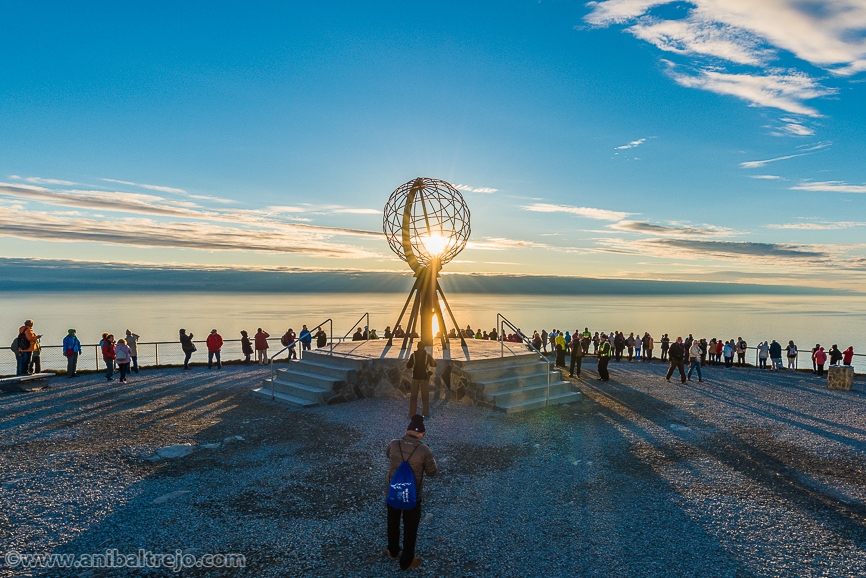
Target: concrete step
517 394
508 383
332 360
284 398
509 359
313 378
518 406
320 368
300 390
493 373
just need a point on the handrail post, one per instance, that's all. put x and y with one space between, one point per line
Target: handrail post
157 354
272 379
331 337
368 325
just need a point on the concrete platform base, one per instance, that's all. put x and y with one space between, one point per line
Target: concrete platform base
502 376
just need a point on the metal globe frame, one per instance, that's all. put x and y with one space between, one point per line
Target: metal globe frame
426 222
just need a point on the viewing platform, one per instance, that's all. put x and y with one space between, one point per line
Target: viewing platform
503 376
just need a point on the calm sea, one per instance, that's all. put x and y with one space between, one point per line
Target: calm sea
158 316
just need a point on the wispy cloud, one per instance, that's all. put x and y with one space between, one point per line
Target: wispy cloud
759 164
632 144
41 181
785 91
160 188
468 189
766 177
823 226
588 212
746 253
351 211
502 244
153 205
830 187
144 232
749 34
666 230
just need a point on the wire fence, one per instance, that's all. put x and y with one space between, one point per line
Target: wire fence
169 353
150 354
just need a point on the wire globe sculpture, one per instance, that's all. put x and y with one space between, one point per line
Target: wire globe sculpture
426 219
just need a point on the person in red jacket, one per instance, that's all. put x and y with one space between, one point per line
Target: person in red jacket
820 358
262 346
214 345
848 355
108 356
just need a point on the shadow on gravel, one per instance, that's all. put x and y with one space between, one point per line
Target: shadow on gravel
785 471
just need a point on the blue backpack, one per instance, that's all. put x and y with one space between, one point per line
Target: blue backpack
401 491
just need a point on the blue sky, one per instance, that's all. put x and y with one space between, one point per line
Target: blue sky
706 141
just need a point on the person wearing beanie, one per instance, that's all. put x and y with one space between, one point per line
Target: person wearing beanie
71 350
409 448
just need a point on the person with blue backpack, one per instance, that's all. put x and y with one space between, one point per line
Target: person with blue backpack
409 459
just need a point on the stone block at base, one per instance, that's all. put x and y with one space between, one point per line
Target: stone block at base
840 377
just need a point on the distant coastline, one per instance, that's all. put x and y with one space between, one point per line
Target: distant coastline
20 275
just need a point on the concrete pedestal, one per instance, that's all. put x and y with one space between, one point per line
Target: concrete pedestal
840 377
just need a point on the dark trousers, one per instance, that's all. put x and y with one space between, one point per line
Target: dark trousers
35 363
411 519
575 362
210 357
187 355
71 364
617 352
24 362
677 364
134 364
820 367
292 353
602 368
124 369
664 354
109 368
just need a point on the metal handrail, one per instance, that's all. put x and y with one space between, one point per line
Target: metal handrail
367 315
501 320
293 343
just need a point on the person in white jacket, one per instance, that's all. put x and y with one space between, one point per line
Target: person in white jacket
695 360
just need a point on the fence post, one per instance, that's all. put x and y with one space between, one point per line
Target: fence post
96 356
157 354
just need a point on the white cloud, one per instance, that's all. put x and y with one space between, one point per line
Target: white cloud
830 187
41 181
501 244
766 177
670 230
759 164
785 91
144 232
818 226
159 188
827 34
588 212
144 204
632 144
468 189
358 211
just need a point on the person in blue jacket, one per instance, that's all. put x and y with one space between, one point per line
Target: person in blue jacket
71 349
306 338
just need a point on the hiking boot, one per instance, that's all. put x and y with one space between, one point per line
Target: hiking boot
415 563
668 379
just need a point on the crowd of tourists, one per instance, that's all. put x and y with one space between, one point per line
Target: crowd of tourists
120 356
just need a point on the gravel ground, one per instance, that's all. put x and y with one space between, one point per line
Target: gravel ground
747 474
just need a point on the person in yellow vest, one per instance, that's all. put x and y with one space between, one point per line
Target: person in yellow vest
603 358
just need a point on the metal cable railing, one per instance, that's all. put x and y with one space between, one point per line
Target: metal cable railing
501 321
